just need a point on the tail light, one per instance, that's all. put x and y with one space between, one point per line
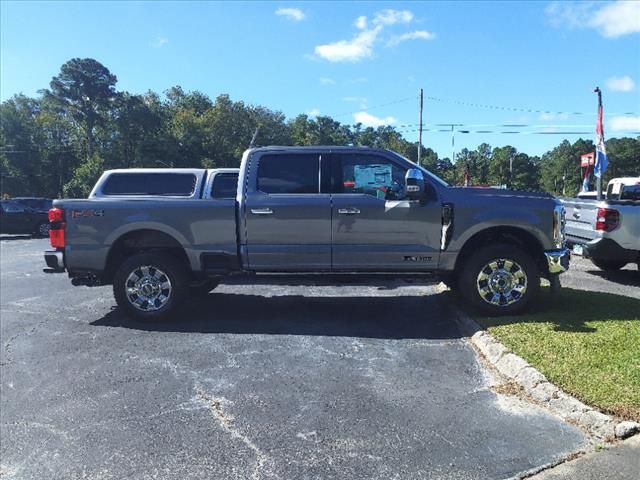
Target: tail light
56 230
607 219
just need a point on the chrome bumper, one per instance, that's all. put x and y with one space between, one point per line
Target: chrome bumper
55 261
558 260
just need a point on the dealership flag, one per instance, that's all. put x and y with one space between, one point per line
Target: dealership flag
601 154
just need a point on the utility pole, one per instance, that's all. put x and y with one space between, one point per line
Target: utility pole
511 170
420 129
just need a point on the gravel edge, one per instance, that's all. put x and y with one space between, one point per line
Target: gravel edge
600 426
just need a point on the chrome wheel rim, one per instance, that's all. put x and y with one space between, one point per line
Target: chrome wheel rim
43 229
148 288
501 282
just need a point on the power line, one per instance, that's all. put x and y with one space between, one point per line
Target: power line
510 132
517 109
505 125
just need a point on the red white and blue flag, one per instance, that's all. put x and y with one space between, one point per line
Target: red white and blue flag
601 154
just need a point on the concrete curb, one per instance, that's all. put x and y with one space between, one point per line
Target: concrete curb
597 424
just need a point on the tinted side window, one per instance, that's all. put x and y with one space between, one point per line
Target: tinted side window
225 185
11 207
630 192
170 184
289 173
371 175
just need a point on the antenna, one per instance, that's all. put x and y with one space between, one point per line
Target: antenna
255 135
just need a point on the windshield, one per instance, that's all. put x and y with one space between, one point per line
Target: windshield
428 172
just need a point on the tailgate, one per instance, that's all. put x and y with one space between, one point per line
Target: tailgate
580 220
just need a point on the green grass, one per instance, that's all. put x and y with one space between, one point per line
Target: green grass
586 343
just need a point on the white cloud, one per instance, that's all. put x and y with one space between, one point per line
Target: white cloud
361 45
621 84
369 120
327 81
314 112
624 123
363 102
294 14
391 17
159 42
354 50
417 35
611 20
617 19
361 23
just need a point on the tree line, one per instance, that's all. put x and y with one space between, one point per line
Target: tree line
58 144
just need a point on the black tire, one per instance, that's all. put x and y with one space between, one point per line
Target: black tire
154 299
511 283
450 281
608 265
202 289
41 230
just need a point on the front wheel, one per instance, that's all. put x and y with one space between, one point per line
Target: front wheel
150 286
499 280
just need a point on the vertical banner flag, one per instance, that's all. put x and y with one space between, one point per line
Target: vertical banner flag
601 154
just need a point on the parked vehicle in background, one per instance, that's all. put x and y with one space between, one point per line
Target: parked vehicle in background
607 231
39 204
156 235
17 218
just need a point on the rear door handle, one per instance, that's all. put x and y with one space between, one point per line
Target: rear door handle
348 211
261 211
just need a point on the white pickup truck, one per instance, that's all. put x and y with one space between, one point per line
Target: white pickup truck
607 231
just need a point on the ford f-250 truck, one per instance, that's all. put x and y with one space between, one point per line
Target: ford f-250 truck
607 231
306 210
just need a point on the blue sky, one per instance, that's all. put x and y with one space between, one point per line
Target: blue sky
355 61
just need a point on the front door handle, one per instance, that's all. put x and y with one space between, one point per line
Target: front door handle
348 211
261 211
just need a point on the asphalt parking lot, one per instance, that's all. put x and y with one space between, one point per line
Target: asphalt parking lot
356 381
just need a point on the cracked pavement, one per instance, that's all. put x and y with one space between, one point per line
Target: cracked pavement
314 381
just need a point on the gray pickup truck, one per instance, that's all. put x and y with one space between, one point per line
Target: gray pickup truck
607 231
159 235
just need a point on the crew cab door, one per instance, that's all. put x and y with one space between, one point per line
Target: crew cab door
288 220
375 227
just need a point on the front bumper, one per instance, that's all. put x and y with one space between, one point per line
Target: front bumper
558 260
55 261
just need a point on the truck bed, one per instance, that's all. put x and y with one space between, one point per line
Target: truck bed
200 225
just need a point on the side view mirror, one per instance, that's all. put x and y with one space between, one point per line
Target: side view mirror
414 183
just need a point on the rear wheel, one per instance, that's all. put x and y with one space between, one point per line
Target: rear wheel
608 265
499 280
150 286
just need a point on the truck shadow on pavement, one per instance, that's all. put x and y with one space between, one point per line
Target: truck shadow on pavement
623 277
16 237
388 317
